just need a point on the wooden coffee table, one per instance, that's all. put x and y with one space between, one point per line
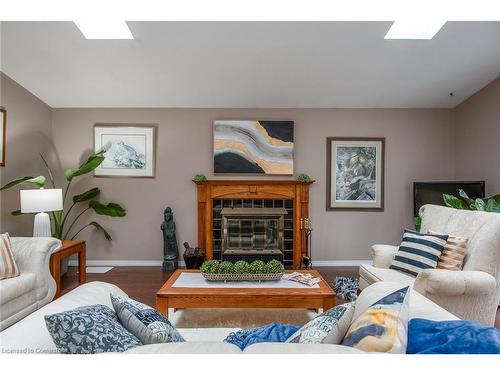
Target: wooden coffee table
261 297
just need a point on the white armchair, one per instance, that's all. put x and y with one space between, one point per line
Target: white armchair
472 293
34 287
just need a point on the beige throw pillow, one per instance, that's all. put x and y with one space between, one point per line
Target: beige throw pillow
8 267
380 321
452 258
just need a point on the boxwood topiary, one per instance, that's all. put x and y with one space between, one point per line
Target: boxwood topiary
240 267
199 178
226 267
274 266
257 267
210 267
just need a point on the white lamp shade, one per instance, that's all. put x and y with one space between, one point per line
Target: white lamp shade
41 200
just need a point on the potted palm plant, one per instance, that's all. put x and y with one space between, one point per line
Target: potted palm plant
65 226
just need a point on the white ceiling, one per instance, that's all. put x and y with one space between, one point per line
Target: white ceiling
251 64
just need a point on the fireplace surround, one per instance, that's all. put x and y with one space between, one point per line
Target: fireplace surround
253 207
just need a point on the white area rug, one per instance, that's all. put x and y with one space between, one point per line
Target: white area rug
196 280
242 318
98 269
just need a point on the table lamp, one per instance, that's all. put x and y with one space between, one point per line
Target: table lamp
41 201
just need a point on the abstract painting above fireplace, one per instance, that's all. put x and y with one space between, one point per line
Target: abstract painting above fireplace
253 147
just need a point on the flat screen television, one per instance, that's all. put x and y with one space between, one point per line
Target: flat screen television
432 192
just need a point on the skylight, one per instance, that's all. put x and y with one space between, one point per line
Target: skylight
107 29
414 29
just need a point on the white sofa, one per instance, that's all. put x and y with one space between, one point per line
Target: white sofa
199 340
471 294
34 287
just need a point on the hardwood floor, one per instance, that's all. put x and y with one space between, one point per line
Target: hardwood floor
141 283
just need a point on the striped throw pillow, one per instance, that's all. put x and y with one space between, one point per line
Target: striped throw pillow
8 267
452 258
418 251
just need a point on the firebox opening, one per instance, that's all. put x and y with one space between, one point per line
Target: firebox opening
252 233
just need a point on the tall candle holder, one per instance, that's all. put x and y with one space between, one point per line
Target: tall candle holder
306 228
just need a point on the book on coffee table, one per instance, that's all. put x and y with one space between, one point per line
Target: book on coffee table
303 278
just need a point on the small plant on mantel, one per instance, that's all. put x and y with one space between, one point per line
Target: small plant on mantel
88 200
199 178
304 178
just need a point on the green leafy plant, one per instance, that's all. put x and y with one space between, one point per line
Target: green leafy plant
64 227
199 178
226 268
210 266
274 266
240 267
257 267
303 178
463 202
418 223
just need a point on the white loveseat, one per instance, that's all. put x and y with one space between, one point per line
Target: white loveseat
34 287
471 294
199 340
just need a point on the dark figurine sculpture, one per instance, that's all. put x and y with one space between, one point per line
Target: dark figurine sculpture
170 249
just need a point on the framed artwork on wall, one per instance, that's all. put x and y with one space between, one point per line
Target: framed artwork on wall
3 125
129 150
253 147
355 173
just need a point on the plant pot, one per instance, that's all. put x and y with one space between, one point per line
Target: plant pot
193 262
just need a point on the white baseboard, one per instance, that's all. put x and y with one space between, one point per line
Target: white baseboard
154 263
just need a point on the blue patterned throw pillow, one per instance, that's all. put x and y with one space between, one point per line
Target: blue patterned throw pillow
144 322
418 251
327 328
89 330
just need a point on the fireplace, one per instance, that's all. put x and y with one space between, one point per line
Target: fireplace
253 233
262 216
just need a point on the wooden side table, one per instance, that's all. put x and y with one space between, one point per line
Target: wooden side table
67 249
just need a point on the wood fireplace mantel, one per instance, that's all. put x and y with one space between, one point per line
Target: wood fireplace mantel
209 190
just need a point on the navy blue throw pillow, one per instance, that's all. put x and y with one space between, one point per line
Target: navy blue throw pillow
89 330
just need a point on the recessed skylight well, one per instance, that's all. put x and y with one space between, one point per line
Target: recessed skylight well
414 29
108 29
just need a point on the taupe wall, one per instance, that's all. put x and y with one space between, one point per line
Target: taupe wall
29 133
478 137
418 147
421 145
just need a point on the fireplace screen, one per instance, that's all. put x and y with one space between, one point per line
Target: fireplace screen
252 231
